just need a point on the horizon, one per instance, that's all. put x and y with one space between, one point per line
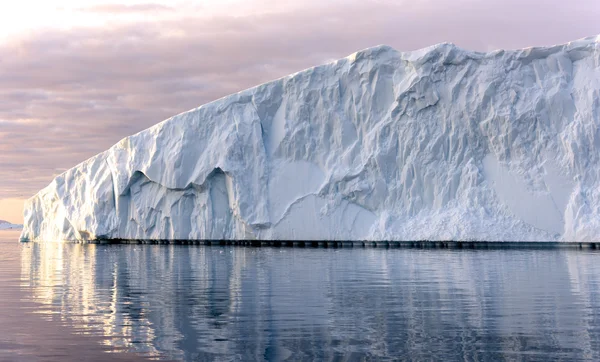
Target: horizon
77 79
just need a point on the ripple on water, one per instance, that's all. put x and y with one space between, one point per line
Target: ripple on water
232 303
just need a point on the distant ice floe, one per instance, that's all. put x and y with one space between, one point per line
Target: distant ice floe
5 225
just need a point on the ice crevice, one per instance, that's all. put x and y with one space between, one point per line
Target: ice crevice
436 144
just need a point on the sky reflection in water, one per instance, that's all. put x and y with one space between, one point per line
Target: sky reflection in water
197 302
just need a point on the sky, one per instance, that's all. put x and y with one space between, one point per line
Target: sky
77 76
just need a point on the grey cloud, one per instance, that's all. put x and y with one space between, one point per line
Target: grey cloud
121 8
82 90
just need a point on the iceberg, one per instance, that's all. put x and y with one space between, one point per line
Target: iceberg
435 144
5 225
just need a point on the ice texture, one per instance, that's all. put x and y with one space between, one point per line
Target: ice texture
435 144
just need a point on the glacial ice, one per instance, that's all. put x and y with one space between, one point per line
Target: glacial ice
435 144
5 225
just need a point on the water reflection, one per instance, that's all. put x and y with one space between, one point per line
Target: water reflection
195 302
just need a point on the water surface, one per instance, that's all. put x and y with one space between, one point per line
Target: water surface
187 302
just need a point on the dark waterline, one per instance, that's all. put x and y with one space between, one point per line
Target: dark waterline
418 244
195 302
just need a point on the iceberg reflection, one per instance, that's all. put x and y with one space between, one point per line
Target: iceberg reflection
196 302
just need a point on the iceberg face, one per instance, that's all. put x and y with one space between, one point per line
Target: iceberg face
436 144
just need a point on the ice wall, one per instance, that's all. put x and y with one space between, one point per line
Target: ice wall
438 144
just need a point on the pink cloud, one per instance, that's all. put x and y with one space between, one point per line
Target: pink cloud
121 8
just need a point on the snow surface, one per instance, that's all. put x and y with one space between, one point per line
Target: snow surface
435 144
5 225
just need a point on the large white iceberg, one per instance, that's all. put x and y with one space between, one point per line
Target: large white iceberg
435 144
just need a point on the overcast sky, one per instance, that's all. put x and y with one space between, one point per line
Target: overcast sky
77 76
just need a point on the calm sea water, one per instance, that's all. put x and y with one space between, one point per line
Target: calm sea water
68 301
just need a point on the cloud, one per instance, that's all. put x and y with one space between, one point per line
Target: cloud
69 94
122 8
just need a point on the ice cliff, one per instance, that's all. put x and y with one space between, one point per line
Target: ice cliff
437 144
